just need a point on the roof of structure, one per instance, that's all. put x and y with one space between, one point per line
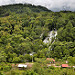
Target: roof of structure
65 65
22 65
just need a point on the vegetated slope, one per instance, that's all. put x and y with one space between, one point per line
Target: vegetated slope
20 8
22 25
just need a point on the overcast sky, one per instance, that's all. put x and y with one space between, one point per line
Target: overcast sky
54 5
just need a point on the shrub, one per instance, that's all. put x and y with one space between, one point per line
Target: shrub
16 60
14 73
0 68
71 60
56 59
30 73
6 68
38 60
1 73
27 57
52 67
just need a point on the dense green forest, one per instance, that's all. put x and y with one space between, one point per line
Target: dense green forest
21 26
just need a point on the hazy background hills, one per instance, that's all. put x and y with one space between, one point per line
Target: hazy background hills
54 5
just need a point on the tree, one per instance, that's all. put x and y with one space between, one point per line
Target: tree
16 60
27 57
3 56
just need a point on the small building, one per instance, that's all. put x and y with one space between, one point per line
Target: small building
51 60
64 65
22 66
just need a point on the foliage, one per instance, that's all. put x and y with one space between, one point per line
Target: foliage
21 27
5 67
30 73
1 73
71 60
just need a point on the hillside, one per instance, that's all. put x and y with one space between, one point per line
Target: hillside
21 27
21 8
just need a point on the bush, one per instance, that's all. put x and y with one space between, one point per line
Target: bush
6 68
71 60
14 73
27 57
16 60
38 60
30 73
56 59
52 67
36 68
0 68
1 73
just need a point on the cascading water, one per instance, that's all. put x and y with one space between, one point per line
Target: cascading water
51 34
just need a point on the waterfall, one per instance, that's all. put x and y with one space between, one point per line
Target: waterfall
51 34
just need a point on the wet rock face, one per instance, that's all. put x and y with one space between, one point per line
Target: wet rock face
52 34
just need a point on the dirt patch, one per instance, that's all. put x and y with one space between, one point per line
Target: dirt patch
29 64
